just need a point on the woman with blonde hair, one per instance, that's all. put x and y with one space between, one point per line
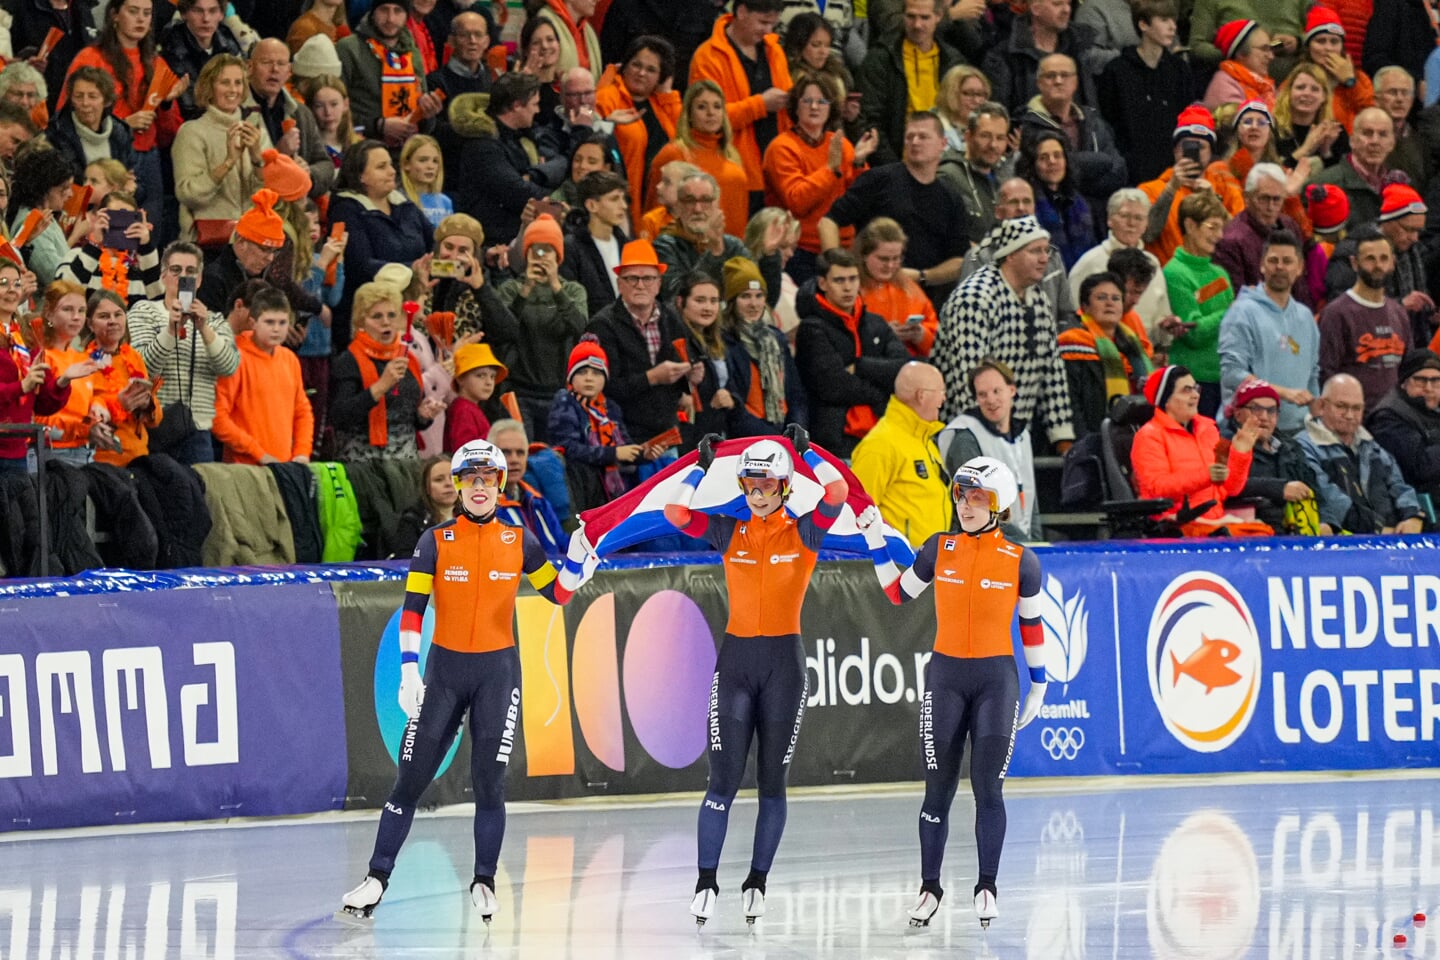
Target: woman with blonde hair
889 292
703 137
962 89
1305 127
105 177
422 177
218 155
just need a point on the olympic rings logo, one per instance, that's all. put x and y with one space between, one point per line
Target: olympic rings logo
1062 743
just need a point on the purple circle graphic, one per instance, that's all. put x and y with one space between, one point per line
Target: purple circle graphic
669 662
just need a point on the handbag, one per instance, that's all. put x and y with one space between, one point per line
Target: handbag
214 234
177 426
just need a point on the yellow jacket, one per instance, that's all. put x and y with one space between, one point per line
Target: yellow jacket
901 468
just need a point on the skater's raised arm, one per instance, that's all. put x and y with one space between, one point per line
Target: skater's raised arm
899 586
817 523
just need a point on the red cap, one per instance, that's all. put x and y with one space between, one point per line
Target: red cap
1231 37
1194 121
1398 200
1322 20
1328 206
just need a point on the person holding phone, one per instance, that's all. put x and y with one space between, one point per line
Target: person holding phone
123 384
118 253
1192 143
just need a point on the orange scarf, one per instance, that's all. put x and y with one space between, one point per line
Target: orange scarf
399 85
366 349
1255 86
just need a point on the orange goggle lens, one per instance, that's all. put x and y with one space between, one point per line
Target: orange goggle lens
765 486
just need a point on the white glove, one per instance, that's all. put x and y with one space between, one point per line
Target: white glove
412 689
871 526
1033 701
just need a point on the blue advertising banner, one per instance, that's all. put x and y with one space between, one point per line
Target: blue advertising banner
170 705
1205 658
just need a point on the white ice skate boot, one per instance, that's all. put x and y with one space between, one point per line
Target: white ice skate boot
360 903
985 907
753 899
484 900
702 906
925 906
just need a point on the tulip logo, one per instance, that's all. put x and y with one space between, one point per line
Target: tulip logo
1203 656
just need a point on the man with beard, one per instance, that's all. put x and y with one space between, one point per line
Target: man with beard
697 239
976 175
1402 220
1364 332
382 69
1406 421
1268 334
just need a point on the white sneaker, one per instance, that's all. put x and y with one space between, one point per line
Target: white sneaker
985 907
754 902
484 900
924 909
702 906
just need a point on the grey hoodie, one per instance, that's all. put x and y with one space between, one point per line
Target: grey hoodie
1280 346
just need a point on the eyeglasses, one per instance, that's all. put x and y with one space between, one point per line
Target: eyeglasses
1263 409
178 271
814 102
1427 383
697 201
6 283
1272 200
640 281
488 476
1188 388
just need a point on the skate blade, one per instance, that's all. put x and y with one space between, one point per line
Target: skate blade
919 924
984 924
355 916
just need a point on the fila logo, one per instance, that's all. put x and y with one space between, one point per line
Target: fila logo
949 544
507 537
713 805
742 529
928 818
446 534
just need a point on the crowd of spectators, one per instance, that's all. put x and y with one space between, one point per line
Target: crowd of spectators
366 232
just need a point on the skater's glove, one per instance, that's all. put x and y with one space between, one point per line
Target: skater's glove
872 527
412 689
799 438
707 449
1033 701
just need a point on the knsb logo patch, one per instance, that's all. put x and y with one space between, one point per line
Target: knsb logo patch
1203 658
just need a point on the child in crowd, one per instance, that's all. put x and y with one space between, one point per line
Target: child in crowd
477 372
105 177
590 429
123 260
261 412
422 174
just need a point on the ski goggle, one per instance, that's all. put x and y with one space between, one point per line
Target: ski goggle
765 486
485 476
975 496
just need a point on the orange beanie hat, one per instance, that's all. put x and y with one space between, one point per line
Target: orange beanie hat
261 224
286 177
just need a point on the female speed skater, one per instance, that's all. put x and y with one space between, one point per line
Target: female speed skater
971 686
470 566
760 684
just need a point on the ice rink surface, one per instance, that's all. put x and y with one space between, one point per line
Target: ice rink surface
1285 869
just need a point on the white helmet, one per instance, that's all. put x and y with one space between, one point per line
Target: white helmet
766 459
479 455
990 475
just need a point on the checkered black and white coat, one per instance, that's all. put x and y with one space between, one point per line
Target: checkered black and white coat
985 319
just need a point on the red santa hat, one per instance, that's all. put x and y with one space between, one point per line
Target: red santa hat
1194 121
1322 20
1231 37
1398 200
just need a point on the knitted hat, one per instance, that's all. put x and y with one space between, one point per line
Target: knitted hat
1416 360
587 353
1160 384
1249 391
261 225
1328 206
316 58
405 4
1231 37
639 253
1398 200
1194 121
1012 235
544 229
741 274
1256 107
1322 20
286 177
474 355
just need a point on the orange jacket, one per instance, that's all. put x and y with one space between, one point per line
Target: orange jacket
1173 463
126 364
895 302
74 420
798 178
1346 102
734 187
1170 237
634 138
655 220
717 60
262 408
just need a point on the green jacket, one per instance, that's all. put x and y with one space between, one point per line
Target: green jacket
1200 293
339 512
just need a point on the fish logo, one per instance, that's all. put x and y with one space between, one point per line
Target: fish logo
1203 657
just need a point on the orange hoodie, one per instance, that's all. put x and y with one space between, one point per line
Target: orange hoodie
74 420
717 60
262 408
798 178
125 365
634 138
